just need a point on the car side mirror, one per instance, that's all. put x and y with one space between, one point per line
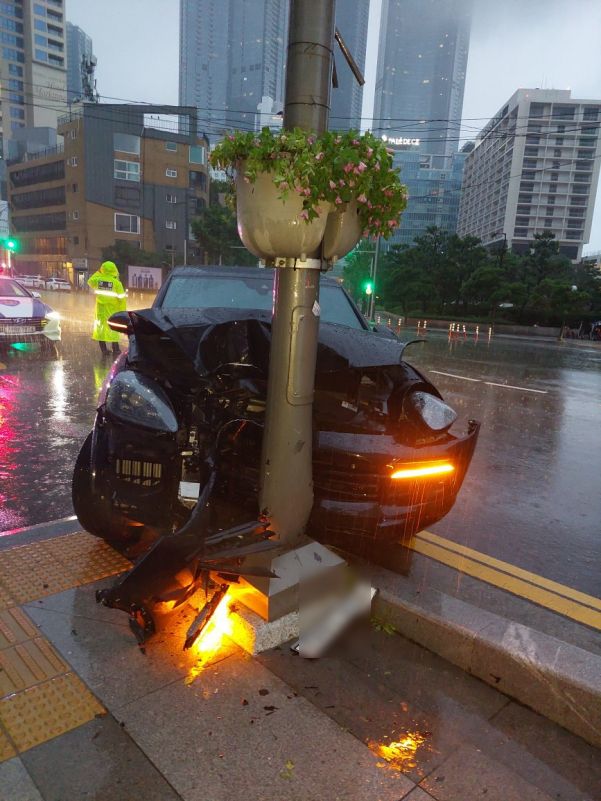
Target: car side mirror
121 323
36 295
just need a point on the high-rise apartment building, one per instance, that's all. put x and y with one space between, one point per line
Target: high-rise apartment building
32 64
420 80
534 168
233 54
79 47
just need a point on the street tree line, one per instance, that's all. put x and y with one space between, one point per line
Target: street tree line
443 274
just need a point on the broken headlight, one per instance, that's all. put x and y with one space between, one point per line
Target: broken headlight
428 409
133 398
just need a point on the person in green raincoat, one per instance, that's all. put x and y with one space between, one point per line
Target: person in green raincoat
110 298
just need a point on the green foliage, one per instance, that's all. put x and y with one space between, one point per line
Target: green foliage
216 232
357 268
448 275
122 253
334 168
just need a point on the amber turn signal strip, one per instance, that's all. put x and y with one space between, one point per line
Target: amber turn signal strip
424 470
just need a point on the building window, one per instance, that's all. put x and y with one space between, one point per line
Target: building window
197 154
75 215
73 161
128 196
17 113
170 198
171 146
74 187
126 143
170 173
171 224
76 240
127 223
198 180
14 69
73 133
127 170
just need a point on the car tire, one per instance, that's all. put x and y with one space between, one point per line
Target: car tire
94 513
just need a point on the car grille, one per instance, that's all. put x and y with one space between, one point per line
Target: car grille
147 474
345 484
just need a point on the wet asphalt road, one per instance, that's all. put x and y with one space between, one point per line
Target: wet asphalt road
533 493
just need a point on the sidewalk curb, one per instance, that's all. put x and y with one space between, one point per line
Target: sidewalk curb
556 679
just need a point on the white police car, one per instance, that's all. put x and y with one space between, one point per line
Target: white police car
25 318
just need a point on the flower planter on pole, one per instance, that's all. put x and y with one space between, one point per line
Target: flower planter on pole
343 231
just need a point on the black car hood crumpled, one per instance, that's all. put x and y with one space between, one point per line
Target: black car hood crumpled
213 337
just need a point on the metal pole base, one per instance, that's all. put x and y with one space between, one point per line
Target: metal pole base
302 573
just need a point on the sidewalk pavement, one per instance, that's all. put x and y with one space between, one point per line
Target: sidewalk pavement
84 714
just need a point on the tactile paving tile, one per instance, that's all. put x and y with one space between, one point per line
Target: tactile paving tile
6 749
6 600
27 664
30 572
86 557
47 710
15 627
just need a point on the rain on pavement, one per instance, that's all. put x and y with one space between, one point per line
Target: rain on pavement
534 477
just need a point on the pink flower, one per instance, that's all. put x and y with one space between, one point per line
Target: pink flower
311 140
362 166
348 167
337 141
356 142
246 179
319 156
377 167
370 152
341 182
306 191
369 204
332 185
338 200
304 215
362 198
391 223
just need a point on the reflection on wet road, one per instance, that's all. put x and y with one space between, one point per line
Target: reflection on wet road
46 410
532 497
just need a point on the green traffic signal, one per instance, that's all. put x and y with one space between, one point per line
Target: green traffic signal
11 244
369 288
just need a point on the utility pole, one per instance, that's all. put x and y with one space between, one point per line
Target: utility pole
287 482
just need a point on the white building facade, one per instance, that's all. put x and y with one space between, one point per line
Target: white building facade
534 168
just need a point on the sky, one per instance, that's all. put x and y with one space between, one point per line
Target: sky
551 44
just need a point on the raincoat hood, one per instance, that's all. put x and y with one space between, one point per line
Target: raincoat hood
109 268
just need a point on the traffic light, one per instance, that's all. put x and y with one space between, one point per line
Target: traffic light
368 287
11 244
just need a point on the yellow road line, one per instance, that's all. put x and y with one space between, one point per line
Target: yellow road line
516 586
513 570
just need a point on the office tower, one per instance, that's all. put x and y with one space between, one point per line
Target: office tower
79 47
346 101
420 82
32 64
420 79
534 168
232 61
231 57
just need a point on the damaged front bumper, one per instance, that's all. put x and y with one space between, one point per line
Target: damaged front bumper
357 501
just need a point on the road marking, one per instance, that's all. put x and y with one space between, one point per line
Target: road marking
514 570
510 386
452 375
537 593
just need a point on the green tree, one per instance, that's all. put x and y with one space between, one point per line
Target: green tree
357 269
123 253
485 286
216 232
406 280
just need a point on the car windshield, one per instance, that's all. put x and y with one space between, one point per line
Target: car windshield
205 292
11 289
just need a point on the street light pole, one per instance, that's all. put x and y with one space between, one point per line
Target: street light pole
286 495
372 297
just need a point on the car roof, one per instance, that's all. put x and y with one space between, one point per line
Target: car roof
236 272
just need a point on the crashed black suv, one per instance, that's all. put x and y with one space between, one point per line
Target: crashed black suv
384 461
